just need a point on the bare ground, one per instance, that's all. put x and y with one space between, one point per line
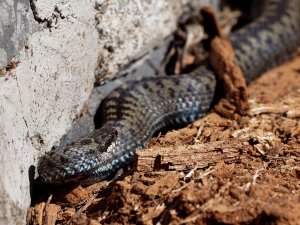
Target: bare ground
242 170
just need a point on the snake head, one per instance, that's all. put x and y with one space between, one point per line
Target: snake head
78 161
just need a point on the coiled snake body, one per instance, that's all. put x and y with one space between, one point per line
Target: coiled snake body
135 111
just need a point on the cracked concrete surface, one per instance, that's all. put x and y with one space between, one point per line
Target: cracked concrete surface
60 47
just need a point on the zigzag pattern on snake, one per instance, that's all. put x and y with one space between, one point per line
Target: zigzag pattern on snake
135 111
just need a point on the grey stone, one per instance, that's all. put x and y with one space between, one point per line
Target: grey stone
57 47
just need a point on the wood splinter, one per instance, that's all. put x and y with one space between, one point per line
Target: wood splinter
181 158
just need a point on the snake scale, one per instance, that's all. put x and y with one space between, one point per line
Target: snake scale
136 110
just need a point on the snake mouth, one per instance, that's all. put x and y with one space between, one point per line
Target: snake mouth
69 170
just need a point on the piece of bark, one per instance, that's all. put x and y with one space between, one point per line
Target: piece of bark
51 214
222 60
163 185
43 213
226 108
66 214
76 196
71 193
35 214
290 112
211 25
182 158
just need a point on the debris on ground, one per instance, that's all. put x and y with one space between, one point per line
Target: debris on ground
226 168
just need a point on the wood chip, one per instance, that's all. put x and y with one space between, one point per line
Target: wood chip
182 158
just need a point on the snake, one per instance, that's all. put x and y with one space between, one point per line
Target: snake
136 110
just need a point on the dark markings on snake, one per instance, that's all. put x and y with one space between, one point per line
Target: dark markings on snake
86 141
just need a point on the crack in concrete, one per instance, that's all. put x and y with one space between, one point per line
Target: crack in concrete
36 139
35 13
58 12
23 117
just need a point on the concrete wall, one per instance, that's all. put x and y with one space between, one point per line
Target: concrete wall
58 48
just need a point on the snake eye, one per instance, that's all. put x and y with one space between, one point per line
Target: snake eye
105 137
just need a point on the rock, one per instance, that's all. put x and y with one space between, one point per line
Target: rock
50 52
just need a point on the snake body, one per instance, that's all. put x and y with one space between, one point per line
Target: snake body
136 110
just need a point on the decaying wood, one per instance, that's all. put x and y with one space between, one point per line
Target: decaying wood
183 157
226 108
35 214
72 193
211 25
222 60
43 213
76 196
290 112
51 212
